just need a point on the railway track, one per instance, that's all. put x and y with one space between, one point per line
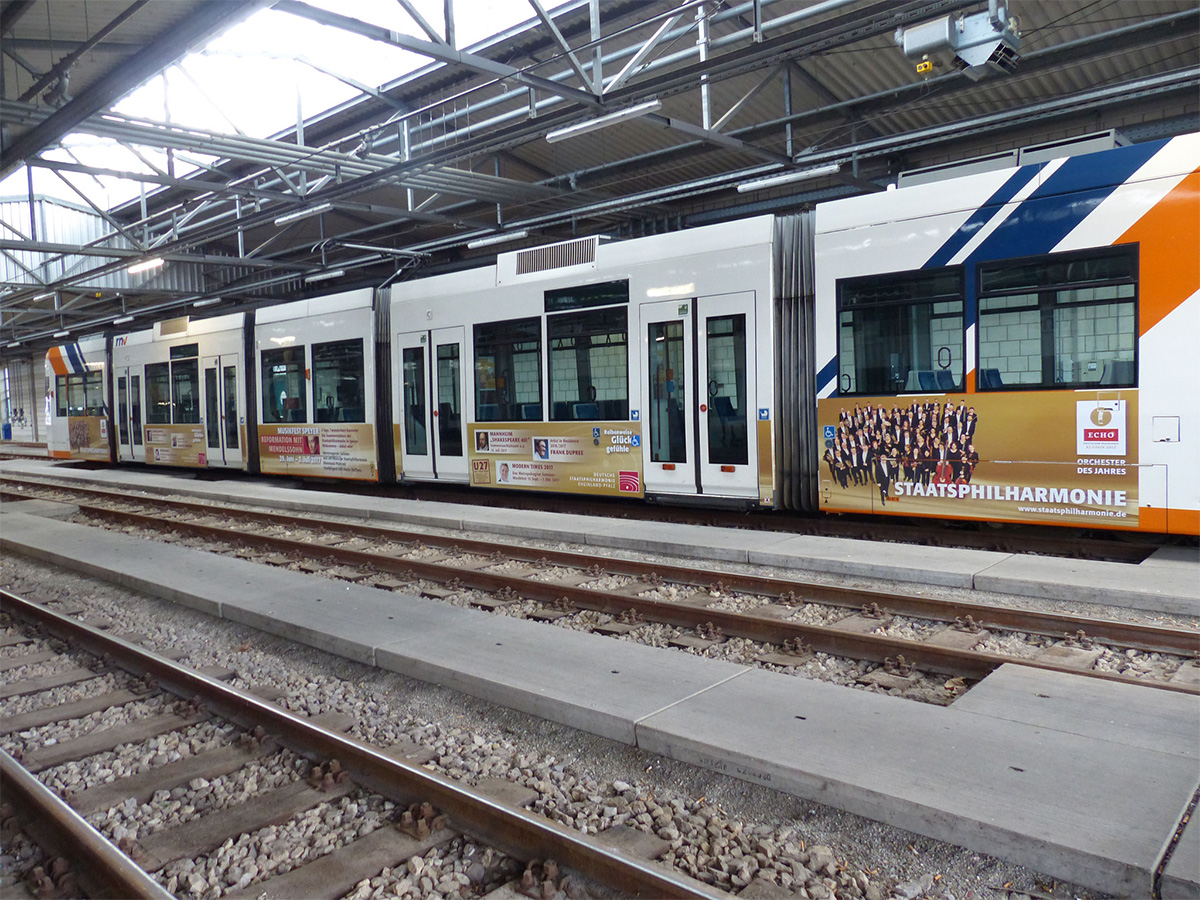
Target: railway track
528 855
787 621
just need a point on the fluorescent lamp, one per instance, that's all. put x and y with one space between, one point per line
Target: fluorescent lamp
325 276
303 213
145 265
122 320
13 344
789 177
208 302
62 333
498 239
632 112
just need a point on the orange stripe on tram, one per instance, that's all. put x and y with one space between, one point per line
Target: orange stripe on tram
1169 234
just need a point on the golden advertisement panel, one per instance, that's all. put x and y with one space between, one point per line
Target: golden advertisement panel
1056 457
176 445
88 437
341 450
603 458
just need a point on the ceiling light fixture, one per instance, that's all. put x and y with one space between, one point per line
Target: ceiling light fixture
62 333
621 115
789 177
325 276
503 238
122 320
303 213
13 344
145 265
209 302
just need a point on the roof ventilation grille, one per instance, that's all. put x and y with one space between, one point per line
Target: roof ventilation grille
579 252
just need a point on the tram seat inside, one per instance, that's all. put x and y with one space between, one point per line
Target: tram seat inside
990 378
531 412
586 411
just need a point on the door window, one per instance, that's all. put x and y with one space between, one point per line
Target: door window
668 438
123 410
231 405
135 391
449 388
413 362
726 363
212 410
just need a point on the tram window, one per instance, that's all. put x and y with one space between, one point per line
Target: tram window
185 391
901 332
123 410
338 381
84 394
726 364
212 408
1066 320
231 405
589 365
60 395
508 369
158 394
413 365
668 394
135 391
449 422
283 389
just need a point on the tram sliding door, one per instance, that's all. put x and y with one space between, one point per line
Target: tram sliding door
430 413
222 413
700 358
130 445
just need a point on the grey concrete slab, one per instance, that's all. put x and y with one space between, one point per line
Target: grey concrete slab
1172 557
949 566
585 681
1170 589
344 619
1164 721
1088 811
51 509
1181 877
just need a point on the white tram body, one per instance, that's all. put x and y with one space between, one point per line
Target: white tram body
315 365
1012 345
180 393
77 401
634 368
1046 315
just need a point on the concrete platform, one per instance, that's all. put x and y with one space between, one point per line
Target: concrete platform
1181 878
1168 582
1086 784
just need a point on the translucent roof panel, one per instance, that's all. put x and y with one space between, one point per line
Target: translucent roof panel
256 79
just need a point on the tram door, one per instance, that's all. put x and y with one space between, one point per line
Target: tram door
130 444
698 408
222 416
430 415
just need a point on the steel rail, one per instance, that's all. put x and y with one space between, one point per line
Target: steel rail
1129 635
523 835
763 628
102 869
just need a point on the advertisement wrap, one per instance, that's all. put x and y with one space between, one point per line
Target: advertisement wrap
343 450
603 459
88 436
1058 457
175 445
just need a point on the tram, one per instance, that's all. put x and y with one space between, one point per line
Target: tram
1011 345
